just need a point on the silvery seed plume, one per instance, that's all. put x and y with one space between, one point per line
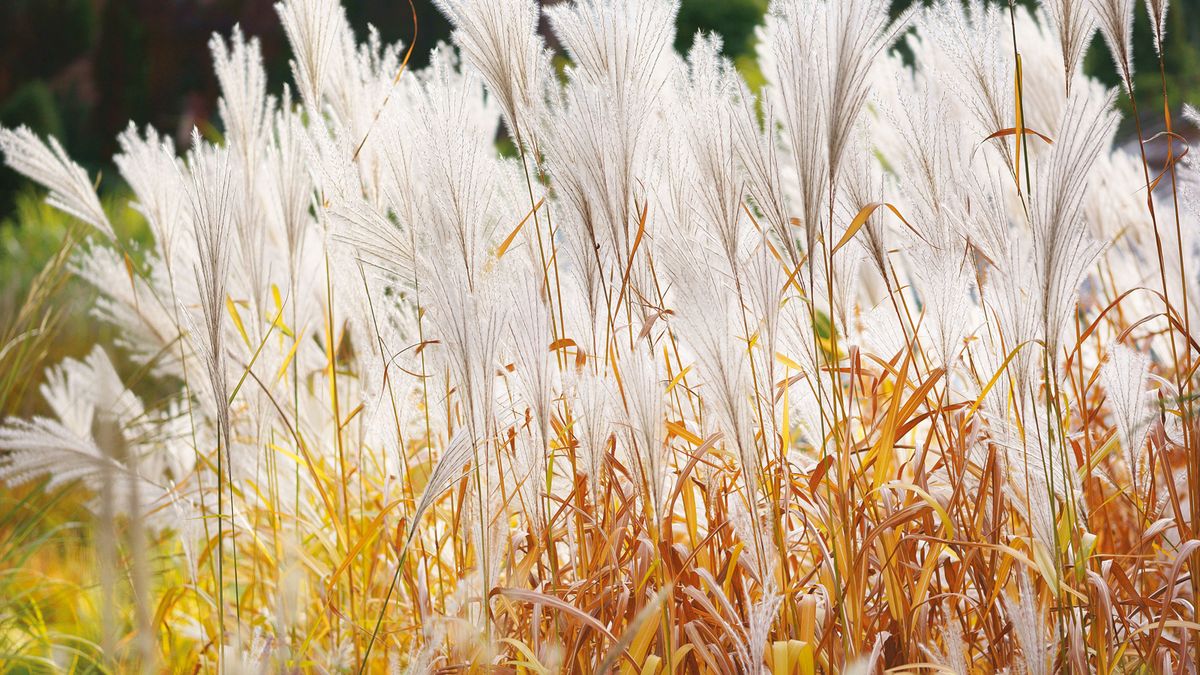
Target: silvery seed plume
470 325
501 40
244 106
765 289
149 164
758 630
857 32
607 194
245 110
757 150
70 190
377 242
863 185
1063 249
537 385
1028 627
645 421
1157 9
1124 378
592 412
1115 19
460 168
212 197
709 114
1014 312
794 38
311 27
708 322
290 187
946 293
971 36
623 46
953 653
1075 24
1039 472
91 436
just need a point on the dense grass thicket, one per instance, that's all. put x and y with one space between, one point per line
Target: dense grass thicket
887 364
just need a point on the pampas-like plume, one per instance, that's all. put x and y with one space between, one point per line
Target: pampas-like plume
501 40
1124 378
1063 249
857 33
212 195
1115 18
1157 9
621 45
311 27
151 168
1028 626
70 190
93 438
1075 23
645 422
795 46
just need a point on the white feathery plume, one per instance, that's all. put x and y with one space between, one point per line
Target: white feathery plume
244 106
791 38
972 36
1075 23
151 168
708 320
1157 9
1028 627
470 326
43 446
945 290
758 153
592 414
709 115
953 653
1014 310
212 194
1063 250
599 192
1039 472
375 239
70 190
1124 378
311 27
625 46
93 438
863 185
1115 18
245 111
501 40
460 167
536 377
291 185
584 294
858 31
764 286
645 421
758 630
609 113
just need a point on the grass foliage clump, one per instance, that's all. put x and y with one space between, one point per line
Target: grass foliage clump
887 364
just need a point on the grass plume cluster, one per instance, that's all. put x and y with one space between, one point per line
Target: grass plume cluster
889 364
